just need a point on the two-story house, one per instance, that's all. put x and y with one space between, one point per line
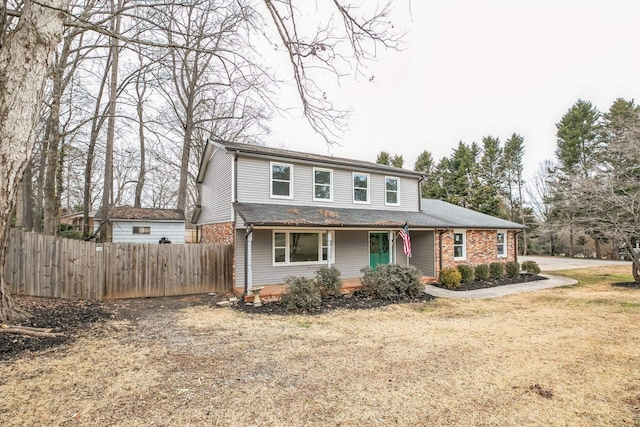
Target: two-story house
288 213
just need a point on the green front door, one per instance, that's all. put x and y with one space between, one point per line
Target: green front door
378 249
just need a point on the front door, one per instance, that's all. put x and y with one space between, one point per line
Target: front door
378 249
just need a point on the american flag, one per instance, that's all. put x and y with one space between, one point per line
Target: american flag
404 233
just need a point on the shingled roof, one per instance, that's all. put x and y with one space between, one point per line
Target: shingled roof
260 150
437 214
146 214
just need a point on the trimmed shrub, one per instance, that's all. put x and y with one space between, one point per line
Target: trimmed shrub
531 267
496 270
301 294
466 273
328 281
450 278
482 272
391 281
513 269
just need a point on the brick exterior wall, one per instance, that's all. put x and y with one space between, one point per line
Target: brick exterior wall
221 234
481 248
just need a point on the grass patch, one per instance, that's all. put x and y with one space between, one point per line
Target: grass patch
597 275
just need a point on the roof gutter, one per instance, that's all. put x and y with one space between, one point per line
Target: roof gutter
247 260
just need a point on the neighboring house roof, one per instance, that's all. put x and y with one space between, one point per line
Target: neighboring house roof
435 214
259 150
458 217
144 214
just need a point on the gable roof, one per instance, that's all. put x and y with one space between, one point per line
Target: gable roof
262 151
145 214
438 214
458 217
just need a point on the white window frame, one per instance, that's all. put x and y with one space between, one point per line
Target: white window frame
141 230
287 251
277 196
353 186
464 245
503 244
388 191
330 199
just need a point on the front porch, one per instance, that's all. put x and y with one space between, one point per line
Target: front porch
273 292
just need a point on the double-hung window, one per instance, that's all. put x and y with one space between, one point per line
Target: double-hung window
501 243
361 187
459 245
141 230
281 180
322 185
392 191
299 248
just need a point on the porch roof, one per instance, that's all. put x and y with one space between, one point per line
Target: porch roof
258 214
436 214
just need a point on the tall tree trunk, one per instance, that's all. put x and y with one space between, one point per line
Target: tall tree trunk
107 193
42 167
139 107
27 197
25 58
51 197
596 241
96 125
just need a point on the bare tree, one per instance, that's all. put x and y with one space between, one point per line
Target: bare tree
33 42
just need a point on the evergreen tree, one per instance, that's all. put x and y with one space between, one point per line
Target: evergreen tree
384 158
491 177
514 170
397 161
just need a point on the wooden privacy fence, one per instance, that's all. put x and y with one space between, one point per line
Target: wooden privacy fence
48 266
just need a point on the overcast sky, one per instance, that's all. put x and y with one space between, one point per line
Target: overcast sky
473 68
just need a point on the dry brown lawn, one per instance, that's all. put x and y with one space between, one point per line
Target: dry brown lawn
567 356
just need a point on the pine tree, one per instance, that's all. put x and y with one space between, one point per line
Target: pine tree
384 158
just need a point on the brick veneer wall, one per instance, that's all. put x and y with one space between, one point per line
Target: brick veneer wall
481 248
221 233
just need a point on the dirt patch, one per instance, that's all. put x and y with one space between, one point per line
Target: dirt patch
485 284
75 318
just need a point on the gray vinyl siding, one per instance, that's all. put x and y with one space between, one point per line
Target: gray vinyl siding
351 254
216 189
123 231
422 251
254 182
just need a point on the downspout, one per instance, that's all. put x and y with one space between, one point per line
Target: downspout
440 247
422 178
248 237
235 176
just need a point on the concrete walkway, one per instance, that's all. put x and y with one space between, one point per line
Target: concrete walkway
498 291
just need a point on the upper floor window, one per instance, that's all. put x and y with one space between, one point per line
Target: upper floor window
360 187
322 184
281 180
459 245
502 244
141 230
392 191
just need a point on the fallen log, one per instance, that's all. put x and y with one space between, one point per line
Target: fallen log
27 330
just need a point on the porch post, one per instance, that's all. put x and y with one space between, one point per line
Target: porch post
329 239
249 277
392 253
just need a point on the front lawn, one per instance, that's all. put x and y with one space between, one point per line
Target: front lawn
563 356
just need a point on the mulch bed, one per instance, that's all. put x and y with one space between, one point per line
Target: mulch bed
630 285
68 317
358 300
493 283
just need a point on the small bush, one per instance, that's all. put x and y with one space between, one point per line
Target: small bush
391 281
301 294
531 267
466 273
482 272
496 270
513 269
328 281
450 278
